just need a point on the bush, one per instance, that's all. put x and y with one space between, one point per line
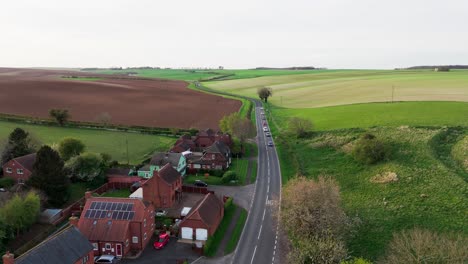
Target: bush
356 261
369 149
229 176
228 203
6 182
217 173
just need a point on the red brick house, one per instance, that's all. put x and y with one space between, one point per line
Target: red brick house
20 168
66 246
201 141
164 188
117 226
215 157
202 220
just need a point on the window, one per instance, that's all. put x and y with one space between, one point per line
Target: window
19 171
20 181
108 246
85 259
134 239
144 236
95 246
144 222
9 170
212 156
126 243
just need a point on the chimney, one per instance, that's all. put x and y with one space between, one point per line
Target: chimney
8 258
73 220
88 195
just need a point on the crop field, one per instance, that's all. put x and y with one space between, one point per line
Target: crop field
340 87
122 99
140 146
194 75
427 193
379 114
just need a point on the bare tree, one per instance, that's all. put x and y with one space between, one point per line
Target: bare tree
299 126
264 93
60 115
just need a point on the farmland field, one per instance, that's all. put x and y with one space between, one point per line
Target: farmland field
114 143
339 87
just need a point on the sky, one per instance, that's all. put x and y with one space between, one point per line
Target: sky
367 34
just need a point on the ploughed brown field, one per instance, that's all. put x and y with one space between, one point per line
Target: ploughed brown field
128 100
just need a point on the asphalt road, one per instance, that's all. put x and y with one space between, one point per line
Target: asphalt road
258 242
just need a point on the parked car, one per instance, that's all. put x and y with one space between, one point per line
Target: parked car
161 213
200 183
106 259
2 190
270 143
268 134
162 241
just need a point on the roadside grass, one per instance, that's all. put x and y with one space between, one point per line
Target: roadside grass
213 242
342 87
122 193
239 166
235 236
428 193
460 153
140 146
379 114
253 173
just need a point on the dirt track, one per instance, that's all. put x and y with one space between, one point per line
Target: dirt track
129 101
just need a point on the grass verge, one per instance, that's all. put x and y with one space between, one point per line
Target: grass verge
235 236
213 242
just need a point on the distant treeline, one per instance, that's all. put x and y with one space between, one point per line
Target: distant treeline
290 68
451 67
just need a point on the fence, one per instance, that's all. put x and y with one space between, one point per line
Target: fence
195 189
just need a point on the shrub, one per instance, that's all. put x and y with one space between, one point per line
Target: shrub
60 115
356 261
229 176
6 182
217 173
70 147
228 203
369 149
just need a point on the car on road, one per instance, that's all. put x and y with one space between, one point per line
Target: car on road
106 259
200 183
265 129
268 134
163 239
261 108
270 143
161 213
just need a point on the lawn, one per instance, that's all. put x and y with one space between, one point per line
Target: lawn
140 146
430 193
210 180
240 167
379 114
339 87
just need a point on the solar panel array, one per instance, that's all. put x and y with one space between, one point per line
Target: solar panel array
116 211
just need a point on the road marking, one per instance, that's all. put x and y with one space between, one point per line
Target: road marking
253 256
273 260
264 210
268 188
260 232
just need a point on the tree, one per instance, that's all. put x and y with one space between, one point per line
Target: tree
19 143
369 149
70 147
20 213
48 175
239 127
227 123
264 93
86 166
423 246
299 126
313 217
60 115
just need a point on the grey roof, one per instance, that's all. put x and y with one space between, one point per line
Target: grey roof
67 246
169 174
218 147
27 161
118 171
161 159
145 168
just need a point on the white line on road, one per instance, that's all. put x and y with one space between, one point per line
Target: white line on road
260 232
253 256
264 210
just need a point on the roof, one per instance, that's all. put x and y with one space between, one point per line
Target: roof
145 168
27 161
207 210
67 246
107 227
161 159
218 147
169 174
118 171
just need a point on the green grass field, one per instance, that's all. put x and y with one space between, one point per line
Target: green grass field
428 194
339 87
140 146
379 114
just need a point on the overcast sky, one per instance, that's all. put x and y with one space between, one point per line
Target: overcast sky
235 34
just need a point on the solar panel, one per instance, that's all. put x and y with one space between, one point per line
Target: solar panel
103 214
114 215
87 213
103 206
125 216
93 205
92 214
119 216
130 207
131 215
108 206
119 207
124 207
114 205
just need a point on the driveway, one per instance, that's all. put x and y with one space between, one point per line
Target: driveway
170 254
242 194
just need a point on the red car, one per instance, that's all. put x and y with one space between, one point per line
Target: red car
162 241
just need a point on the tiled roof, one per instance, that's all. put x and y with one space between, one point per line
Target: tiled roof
218 147
108 229
67 246
161 159
208 209
169 174
27 161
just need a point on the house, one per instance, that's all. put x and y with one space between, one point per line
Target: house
202 220
68 246
20 168
117 226
159 159
201 141
184 143
215 157
164 189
